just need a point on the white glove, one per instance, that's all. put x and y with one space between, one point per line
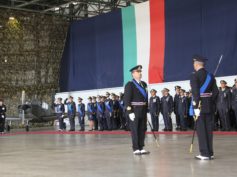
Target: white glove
3 116
131 116
62 116
197 112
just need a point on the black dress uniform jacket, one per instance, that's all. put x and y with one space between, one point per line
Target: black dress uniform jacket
197 80
132 94
154 105
224 99
204 123
139 125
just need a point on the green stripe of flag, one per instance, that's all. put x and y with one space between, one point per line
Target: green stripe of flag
129 41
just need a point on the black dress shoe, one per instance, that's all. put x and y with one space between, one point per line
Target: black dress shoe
177 128
72 130
165 130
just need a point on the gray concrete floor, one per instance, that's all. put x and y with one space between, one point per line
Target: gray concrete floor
111 156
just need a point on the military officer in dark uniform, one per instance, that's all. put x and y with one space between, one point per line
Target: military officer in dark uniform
190 120
136 104
115 118
109 111
71 111
204 92
224 105
154 108
167 105
59 110
234 102
3 111
91 111
176 103
100 113
95 116
122 112
81 113
183 110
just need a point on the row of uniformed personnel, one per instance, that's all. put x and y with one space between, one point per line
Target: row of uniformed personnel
104 112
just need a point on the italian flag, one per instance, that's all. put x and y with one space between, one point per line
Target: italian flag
144 40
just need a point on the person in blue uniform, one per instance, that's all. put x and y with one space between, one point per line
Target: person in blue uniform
3 110
167 109
190 120
224 105
109 111
204 95
95 116
103 99
122 112
183 110
176 102
59 110
100 113
154 108
91 113
81 113
71 111
115 107
136 104
234 102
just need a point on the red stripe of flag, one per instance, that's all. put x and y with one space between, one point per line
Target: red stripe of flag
157 48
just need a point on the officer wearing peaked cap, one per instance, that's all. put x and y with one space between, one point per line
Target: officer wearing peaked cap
167 105
154 108
100 113
234 102
81 113
95 116
176 103
204 92
224 105
91 110
109 111
121 112
136 105
59 110
71 106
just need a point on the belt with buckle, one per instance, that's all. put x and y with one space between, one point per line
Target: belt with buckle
205 95
138 103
